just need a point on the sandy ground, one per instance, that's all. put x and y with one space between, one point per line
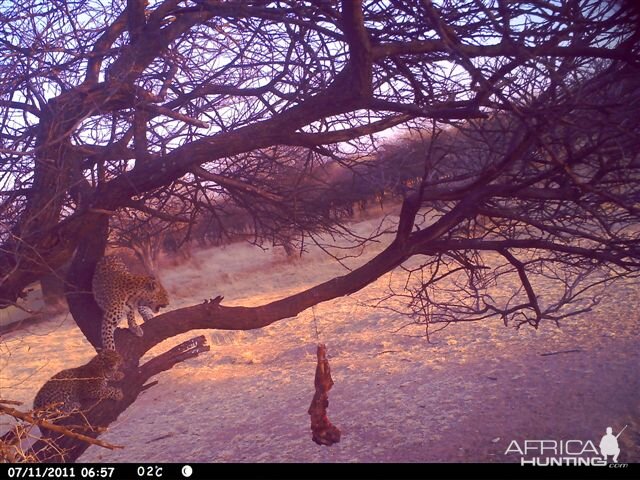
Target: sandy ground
397 398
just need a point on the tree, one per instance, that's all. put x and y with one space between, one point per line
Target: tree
530 169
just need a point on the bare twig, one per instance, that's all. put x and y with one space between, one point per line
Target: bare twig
56 428
559 352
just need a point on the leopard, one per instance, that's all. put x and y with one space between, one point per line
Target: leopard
117 292
70 390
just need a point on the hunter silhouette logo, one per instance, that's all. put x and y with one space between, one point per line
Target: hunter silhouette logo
609 444
545 453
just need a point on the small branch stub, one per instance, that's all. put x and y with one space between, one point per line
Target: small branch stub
214 303
323 431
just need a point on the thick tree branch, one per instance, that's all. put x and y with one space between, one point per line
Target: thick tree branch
451 112
233 184
344 135
216 316
160 110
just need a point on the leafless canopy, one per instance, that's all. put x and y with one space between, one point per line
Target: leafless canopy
174 109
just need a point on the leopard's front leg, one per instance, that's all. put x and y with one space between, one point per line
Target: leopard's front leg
109 325
146 312
131 320
105 391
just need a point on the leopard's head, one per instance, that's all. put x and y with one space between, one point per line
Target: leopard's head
155 296
108 361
